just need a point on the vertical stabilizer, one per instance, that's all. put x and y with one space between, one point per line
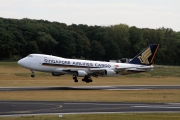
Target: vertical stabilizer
146 56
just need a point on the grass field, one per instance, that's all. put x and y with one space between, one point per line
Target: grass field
16 76
94 95
13 75
138 116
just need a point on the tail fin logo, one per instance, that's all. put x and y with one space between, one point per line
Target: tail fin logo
145 55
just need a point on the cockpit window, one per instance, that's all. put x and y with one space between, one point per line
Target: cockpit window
30 56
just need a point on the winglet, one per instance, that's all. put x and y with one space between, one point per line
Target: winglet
146 56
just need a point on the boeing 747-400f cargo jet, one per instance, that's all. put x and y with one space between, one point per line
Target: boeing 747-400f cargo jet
86 68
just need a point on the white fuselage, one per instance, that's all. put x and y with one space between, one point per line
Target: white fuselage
53 64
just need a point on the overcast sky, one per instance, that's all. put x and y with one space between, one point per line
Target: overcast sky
139 13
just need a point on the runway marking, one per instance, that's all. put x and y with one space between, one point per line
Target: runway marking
156 107
174 103
128 89
145 85
122 104
129 112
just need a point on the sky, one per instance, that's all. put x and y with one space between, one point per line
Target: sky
140 13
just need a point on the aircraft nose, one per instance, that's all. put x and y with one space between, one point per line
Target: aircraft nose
23 62
19 62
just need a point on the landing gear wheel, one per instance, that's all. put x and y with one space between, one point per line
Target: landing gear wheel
90 80
32 75
87 79
75 78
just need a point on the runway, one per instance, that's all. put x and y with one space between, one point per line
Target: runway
132 87
25 108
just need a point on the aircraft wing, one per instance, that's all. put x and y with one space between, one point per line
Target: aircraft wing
102 71
92 71
135 69
123 69
119 70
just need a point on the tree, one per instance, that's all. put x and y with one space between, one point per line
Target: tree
136 40
120 34
45 43
30 48
98 51
18 38
66 46
112 51
7 47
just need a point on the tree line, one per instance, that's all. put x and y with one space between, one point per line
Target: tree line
18 38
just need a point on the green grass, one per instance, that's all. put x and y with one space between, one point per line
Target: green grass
14 75
39 74
166 71
160 71
138 116
9 64
151 96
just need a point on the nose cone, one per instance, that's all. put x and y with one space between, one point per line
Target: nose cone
23 62
20 62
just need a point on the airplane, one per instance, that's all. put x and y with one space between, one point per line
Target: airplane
87 68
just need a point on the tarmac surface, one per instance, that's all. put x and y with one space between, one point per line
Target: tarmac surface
26 108
132 87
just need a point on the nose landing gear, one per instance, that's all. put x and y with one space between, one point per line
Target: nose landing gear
32 75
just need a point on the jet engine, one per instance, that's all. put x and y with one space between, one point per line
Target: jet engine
57 74
81 73
110 72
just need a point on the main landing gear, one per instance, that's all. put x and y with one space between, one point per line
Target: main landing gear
75 78
32 75
86 79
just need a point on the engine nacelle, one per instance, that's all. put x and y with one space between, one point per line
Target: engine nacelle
110 73
81 73
57 74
